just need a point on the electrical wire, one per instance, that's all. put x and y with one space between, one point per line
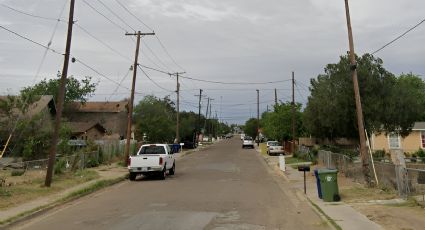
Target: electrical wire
30 40
154 82
398 37
98 12
28 14
129 12
120 83
116 15
168 54
234 83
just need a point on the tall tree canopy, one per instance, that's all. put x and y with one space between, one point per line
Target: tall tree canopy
75 90
250 127
155 117
389 103
277 125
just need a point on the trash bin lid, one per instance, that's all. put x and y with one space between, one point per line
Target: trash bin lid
326 171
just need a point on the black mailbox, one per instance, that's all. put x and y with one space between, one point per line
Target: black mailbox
304 168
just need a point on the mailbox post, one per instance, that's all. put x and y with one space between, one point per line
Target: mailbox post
304 168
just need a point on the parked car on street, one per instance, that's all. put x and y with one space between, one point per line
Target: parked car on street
274 148
242 136
152 159
247 142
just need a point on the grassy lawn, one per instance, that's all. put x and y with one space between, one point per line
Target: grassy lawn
293 160
32 187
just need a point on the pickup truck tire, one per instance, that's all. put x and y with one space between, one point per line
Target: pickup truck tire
163 173
132 176
172 169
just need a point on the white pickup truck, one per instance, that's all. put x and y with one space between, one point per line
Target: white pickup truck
152 159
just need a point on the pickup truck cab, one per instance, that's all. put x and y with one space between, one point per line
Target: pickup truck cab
152 159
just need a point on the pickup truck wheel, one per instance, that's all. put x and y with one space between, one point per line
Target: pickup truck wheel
172 169
132 176
163 173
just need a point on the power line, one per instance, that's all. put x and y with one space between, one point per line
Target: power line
168 54
234 83
398 37
98 12
154 82
29 14
120 83
129 12
116 15
30 40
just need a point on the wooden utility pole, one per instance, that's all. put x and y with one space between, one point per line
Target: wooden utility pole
275 98
206 115
133 85
293 114
198 126
258 117
60 101
360 123
177 140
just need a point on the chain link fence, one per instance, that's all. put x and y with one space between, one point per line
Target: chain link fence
408 181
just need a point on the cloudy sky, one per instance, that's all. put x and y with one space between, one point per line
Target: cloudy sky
216 40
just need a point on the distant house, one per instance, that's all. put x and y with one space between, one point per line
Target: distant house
409 144
86 130
112 116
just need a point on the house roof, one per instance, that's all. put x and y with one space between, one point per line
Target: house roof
35 108
81 127
419 126
96 107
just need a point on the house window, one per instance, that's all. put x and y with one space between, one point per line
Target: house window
423 139
394 141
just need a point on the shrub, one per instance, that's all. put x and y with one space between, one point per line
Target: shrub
379 154
18 172
60 167
92 162
420 153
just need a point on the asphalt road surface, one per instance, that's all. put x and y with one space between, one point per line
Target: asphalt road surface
221 187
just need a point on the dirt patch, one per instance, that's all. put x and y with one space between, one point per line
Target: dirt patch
405 216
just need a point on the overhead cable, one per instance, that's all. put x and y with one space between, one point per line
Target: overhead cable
398 37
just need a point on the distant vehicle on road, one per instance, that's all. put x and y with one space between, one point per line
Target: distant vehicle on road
228 136
248 142
274 148
152 159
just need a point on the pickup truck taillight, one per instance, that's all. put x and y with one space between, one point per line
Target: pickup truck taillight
161 161
129 161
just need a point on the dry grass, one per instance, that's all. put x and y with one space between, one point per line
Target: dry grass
30 186
358 193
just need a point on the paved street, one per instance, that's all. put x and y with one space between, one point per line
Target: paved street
221 187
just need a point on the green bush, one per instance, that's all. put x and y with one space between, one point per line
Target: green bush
18 172
92 162
379 154
60 167
420 153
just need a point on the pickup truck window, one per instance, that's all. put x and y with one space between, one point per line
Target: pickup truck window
152 150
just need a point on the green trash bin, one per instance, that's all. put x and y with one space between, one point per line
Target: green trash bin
329 184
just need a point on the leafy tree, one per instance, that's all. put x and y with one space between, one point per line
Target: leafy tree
75 90
155 117
389 103
250 127
278 124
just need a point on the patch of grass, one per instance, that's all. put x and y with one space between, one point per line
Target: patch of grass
77 194
325 215
17 172
359 193
263 148
293 160
33 189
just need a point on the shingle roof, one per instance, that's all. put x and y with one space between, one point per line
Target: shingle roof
95 107
81 127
